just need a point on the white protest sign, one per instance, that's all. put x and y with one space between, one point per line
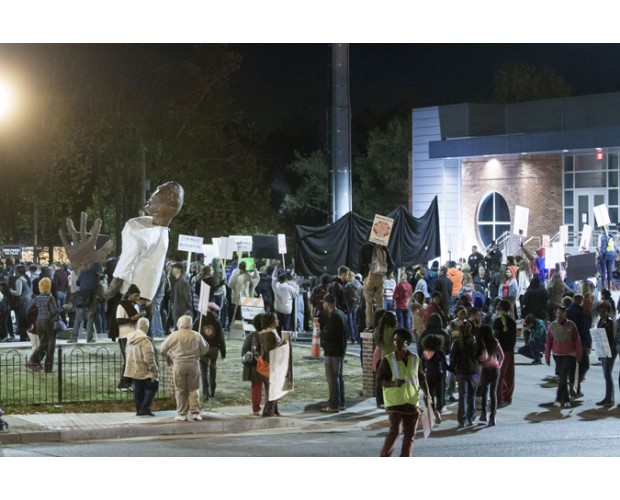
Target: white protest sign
203 302
601 215
546 241
216 246
381 229
564 235
281 244
555 255
226 248
278 368
521 218
241 243
190 243
586 237
600 344
210 251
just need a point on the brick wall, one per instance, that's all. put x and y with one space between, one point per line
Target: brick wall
368 378
531 181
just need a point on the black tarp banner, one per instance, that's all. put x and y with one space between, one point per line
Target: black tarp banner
323 249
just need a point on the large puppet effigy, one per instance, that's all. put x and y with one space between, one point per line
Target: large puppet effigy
144 243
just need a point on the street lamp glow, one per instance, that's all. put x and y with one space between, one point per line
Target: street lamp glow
4 99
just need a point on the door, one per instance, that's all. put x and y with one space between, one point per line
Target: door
584 208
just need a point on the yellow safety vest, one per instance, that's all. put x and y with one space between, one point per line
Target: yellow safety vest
409 392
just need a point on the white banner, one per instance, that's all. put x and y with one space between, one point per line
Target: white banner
564 234
278 368
381 229
601 215
281 244
586 237
600 344
521 218
241 243
190 243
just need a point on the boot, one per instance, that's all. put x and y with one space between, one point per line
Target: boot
483 416
492 420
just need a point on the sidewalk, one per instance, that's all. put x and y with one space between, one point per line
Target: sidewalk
38 428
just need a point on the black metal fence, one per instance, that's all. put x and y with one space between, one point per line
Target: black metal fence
79 375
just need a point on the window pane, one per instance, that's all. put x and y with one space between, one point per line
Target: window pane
568 216
613 196
613 179
590 180
501 229
568 164
486 234
599 199
613 215
568 198
613 162
568 181
502 214
588 162
486 210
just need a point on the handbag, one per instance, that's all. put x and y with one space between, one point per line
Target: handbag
250 358
262 367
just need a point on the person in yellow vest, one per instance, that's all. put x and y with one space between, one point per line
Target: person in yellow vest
401 376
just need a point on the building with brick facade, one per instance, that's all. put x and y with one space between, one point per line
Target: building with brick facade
559 158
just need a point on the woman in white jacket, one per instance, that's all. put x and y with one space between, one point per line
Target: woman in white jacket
142 367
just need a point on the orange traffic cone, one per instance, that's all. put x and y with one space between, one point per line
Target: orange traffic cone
315 350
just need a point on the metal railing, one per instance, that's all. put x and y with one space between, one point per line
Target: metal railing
78 376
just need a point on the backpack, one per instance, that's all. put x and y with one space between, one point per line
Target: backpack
378 263
611 244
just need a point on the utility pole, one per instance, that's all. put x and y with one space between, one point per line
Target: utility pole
340 133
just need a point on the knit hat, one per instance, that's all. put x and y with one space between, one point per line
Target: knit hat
133 289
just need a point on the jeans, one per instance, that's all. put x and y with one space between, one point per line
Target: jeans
565 365
284 322
606 267
403 316
352 320
47 344
335 380
489 378
436 388
208 371
220 301
143 394
61 299
81 313
407 422
533 350
608 366
157 324
466 413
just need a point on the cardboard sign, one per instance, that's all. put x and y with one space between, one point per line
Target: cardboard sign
190 243
564 235
600 344
381 230
12 251
241 243
203 302
281 244
226 248
210 251
580 267
521 218
601 215
586 237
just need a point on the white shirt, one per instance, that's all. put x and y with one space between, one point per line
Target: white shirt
143 256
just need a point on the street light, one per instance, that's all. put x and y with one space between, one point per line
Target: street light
4 99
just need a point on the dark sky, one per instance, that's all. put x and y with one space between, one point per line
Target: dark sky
289 83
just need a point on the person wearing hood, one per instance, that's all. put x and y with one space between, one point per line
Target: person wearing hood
142 368
435 367
434 326
185 347
465 364
431 275
535 299
456 277
505 330
493 259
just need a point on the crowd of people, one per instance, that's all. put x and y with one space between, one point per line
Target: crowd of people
464 318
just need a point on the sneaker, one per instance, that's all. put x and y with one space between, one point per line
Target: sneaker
196 416
566 405
557 404
329 409
122 389
537 362
342 408
181 418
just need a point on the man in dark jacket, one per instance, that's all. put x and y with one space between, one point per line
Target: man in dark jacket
475 260
180 294
444 285
583 321
535 300
334 344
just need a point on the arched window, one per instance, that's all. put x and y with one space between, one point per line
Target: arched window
493 218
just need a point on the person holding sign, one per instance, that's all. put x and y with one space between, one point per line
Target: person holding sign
606 252
607 323
401 377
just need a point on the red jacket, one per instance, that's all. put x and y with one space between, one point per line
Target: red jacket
563 340
402 292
